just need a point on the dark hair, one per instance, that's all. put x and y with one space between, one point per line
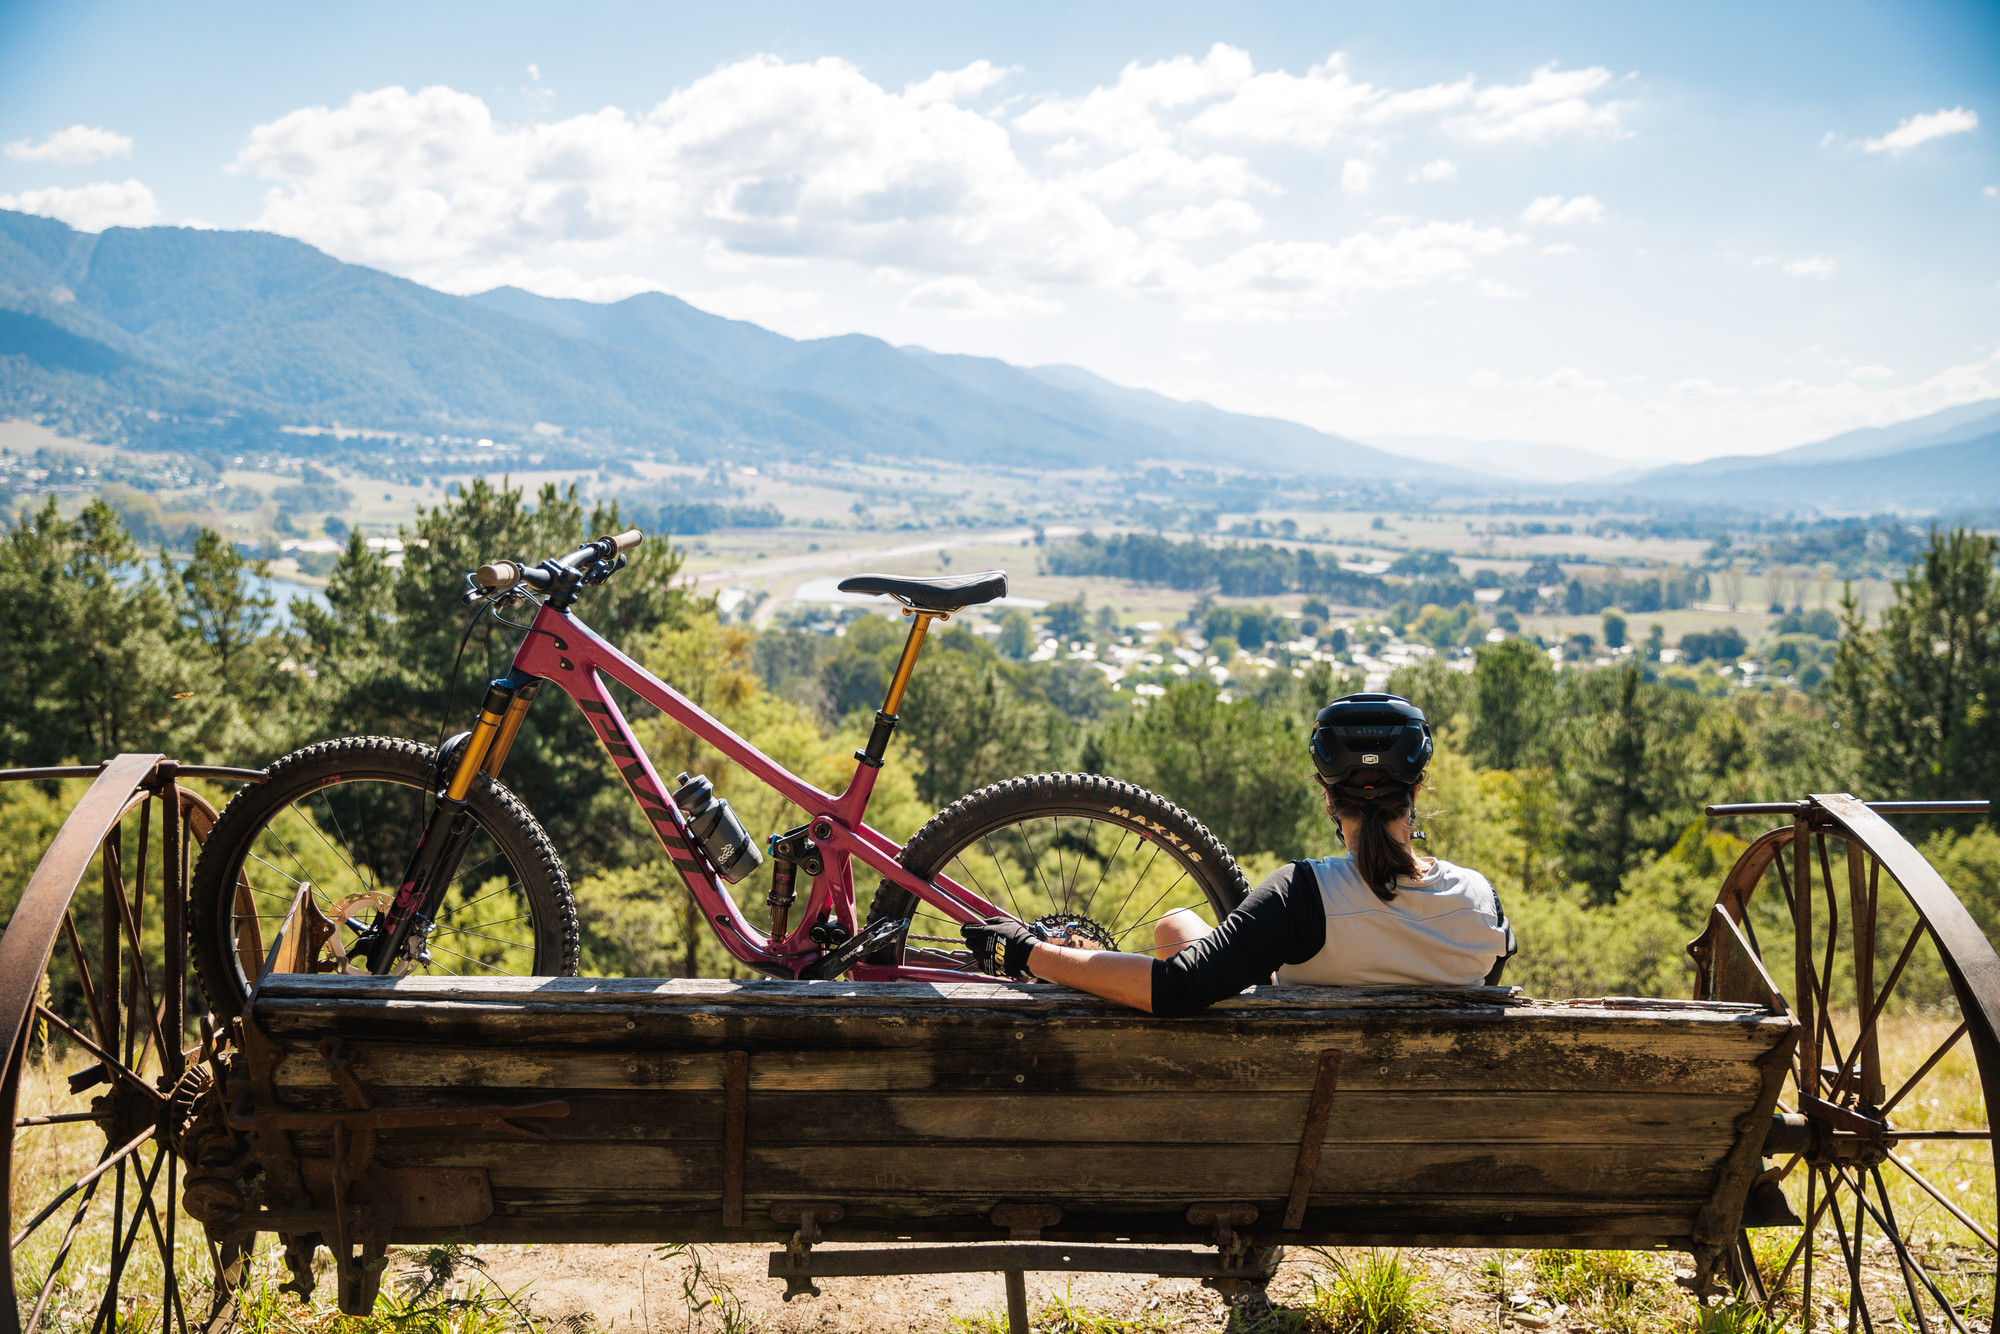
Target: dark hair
1372 797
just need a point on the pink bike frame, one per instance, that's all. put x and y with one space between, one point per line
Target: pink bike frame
566 652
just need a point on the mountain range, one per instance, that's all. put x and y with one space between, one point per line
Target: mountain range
212 340
1942 462
245 330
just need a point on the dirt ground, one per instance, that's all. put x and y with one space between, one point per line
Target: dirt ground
632 1288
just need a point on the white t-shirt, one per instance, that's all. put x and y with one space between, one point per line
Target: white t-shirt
1445 928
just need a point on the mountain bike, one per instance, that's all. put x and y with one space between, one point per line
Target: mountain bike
406 857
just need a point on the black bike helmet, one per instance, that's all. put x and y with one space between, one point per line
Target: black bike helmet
1382 732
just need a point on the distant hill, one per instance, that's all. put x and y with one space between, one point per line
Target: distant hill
1964 423
185 337
1948 478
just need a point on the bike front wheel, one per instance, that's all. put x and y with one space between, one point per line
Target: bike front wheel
1103 859
343 817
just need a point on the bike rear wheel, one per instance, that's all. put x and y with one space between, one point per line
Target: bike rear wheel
1048 846
344 816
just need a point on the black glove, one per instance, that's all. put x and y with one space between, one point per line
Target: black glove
1000 945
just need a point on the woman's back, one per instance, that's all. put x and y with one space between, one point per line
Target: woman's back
1444 927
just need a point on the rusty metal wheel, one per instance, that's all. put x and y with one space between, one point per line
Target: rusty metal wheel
1876 1207
94 1003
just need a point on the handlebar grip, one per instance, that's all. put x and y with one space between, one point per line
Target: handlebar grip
500 574
626 540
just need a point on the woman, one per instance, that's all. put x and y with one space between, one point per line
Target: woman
1381 915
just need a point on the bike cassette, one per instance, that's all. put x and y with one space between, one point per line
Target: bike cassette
1075 927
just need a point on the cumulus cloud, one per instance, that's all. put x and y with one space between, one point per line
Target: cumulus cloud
765 162
1440 170
1814 267
1553 101
90 208
1327 102
77 144
1922 129
1554 210
955 85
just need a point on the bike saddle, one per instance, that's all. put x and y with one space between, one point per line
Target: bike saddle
944 593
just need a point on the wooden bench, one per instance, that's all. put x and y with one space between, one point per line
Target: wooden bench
622 1110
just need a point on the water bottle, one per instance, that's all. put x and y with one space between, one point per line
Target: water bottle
716 830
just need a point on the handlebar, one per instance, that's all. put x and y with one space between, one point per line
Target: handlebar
501 574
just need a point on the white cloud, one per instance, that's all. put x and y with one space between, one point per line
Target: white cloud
77 144
1922 129
1813 267
1560 248
1498 291
1125 115
1554 210
970 299
764 162
1313 108
1198 222
1871 373
1440 170
955 85
1551 102
90 208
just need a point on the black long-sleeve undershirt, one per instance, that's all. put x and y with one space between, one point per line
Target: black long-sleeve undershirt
1281 921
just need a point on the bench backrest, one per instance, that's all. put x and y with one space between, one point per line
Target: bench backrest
1456 1117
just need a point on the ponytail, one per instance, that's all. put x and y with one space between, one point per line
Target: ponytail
1378 855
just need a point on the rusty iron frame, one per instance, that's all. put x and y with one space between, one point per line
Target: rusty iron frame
1838 1122
120 786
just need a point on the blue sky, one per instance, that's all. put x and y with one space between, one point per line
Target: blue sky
1672 232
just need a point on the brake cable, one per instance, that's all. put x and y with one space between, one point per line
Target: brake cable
451 694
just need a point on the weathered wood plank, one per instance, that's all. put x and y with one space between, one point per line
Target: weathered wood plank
1359 1117
1077 1174
1379 1056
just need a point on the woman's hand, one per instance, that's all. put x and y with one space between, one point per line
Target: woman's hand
1000 945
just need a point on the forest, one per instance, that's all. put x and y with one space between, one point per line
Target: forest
1578 791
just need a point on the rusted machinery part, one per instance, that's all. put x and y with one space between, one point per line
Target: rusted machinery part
129 1113
1845 1125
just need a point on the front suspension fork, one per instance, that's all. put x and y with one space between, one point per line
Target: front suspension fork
435 862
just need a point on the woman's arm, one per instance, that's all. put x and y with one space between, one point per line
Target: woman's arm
1280 922
1125 978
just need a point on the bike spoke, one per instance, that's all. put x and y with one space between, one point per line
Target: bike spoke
1148 921
1105 870
1148 870
497 940
476 962
339 850
958 860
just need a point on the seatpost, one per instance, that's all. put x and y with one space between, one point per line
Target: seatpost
885 717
